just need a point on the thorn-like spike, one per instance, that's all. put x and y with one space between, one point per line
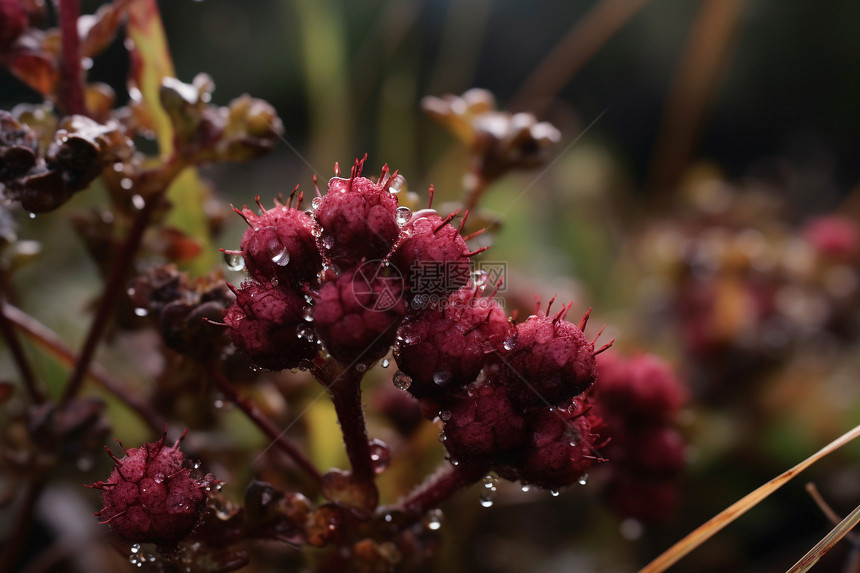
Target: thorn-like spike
233 289
293 194
182 437
336 169
390 179
241 214
604 348
549 304
496 290
476 251
584 320
259 203
122 447
115 459
514 315
599 332
230 251
317 186
109 519
537 304
382 174
431 191
301 198
566 310
471 236
445 221
463 221
213 322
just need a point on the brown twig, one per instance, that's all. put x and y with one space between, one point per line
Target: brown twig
72 82
50 341
438 487
31 384
825 508
270 429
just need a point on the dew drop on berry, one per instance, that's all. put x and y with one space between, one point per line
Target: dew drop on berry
402 380
385 363
328 242
380 456
234 261
553 492
489 481
397 184
135 548
315 204
159 477
361 367
308 313
32 215
583 479
526 487
282 257
509 344
402 215
433 519
140 311
441 378
445 415
486 500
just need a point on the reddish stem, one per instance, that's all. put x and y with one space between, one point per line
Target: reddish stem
72 82
270 429
152 188
439 487
346 397
37 395
48 339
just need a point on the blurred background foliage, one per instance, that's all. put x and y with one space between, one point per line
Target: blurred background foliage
655 99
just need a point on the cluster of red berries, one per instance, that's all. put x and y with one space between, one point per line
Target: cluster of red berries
351 275
639 399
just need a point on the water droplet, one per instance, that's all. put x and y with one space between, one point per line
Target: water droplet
32 215
219 404
442 437
386 362
273 281
118 166
135 548
480 278
509 344
360 367
445 415
526 487
315 204
281 257
380 456
454 462
397 184
583 479
402 380
141 311
196 465
486 500
234 261
402 215
127 184
138 201
388 518
441 378
328 242
553 492
433 519
316 231
490 481
159 478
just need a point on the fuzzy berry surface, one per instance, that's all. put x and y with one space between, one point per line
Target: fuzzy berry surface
151 496
549 361
356 219
264 322
433 255
357 314
279 244
482 425
444 347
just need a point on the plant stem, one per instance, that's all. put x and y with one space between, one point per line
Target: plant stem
48 339
476 186
438 487
271 430
346 396
37 395
72 81
152 189
21 529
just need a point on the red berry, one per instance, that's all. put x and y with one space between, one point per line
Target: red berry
482 424
548 361
433 255
836 236
356 315
641 388
151 496
356 219
447 345
279 244
561 446
266 321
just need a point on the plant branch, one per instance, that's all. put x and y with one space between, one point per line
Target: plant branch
152 189
72 81
271 430
37 395
50 341
438 487
345 392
